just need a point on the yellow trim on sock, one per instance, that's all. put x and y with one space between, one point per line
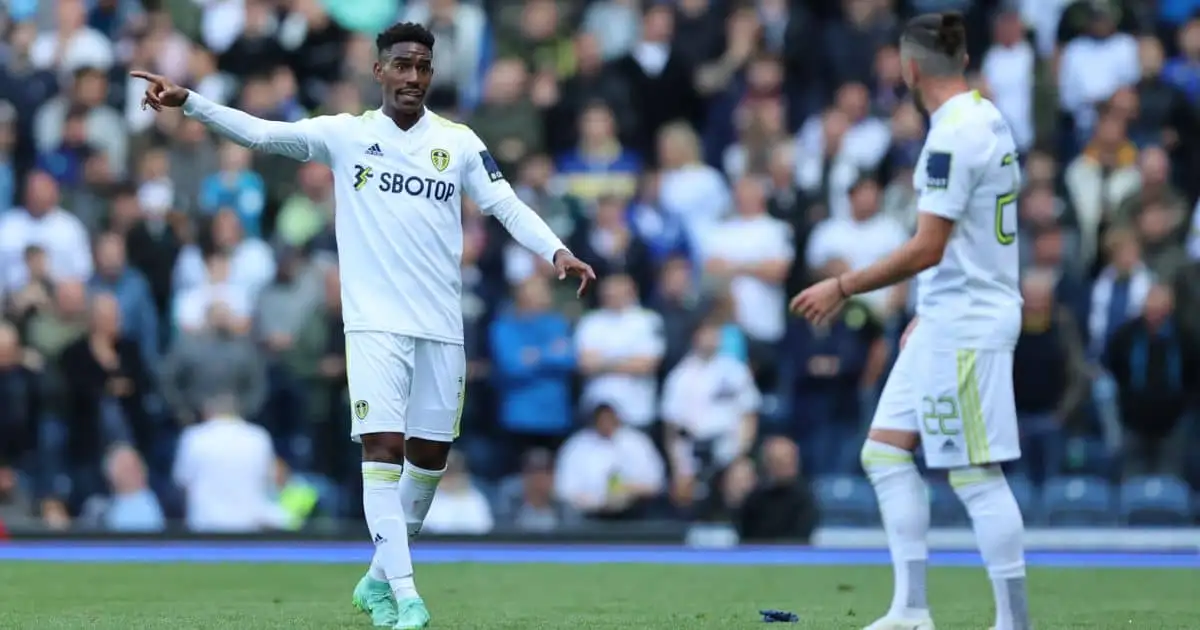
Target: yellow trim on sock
975 475
381 475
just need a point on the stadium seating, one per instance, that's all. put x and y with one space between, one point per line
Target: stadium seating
1154 501
945 509
846 501
1078 502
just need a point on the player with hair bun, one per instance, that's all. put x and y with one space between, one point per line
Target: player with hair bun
951 389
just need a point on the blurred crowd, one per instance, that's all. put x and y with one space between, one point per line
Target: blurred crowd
171 346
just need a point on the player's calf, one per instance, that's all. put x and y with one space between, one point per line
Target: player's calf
999 529
904 508
383 457
425 463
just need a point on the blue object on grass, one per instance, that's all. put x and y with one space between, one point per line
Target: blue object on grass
778 616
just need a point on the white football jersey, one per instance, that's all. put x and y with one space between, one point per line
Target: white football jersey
398 196
968 172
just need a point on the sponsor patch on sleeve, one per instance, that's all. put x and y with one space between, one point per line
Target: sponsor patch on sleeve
489 165
937 170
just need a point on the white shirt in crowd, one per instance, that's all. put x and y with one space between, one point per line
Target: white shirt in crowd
619 336
192 305
463 511
1092 70
588 464
709 399
698 195
863 147
399 196
1009 74
58 232
857 243
87 48
968 173
226 468
251 266
760 306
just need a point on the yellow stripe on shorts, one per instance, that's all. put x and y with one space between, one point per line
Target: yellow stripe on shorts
970 408
462 399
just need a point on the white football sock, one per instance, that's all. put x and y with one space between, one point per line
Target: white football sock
385 518
904 506
999 530
417 487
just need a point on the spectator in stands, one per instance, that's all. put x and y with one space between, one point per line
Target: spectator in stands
461 32
609 470
1156 186
752 252
191 156
1009 68
681 308
760 119
50 331
1119 291
532 506
220 359
710 410
73 44
506 120
16 505
105 126
782 507
825 177
37 295
44 223
107 383
599 164
236 188
664 234
283 309
1165 115
152 241
459 507
613 247
8 144
1049 377
619 348
593 83
827 370
1104 174
225 467
689 189
320 362
1160 228
139 317
1080 89
861 239
193 304
1183 71
251 261
65 162
309 210
131 507
1156 371
533 362
737 483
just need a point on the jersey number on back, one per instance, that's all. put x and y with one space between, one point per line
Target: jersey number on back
1007 204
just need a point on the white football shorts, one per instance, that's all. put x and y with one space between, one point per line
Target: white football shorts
402 384
960 401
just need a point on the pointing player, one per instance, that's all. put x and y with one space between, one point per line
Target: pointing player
951 389
400 173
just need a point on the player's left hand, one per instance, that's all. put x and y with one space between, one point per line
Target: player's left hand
566 264
820 302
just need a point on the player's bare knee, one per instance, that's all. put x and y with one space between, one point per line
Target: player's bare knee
387 448
427 454
906 440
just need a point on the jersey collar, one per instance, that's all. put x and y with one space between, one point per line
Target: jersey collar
953 102
422 122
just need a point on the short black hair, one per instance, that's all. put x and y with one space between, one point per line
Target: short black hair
944 33
402 32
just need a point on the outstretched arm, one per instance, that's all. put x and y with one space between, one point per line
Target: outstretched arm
304 140
300 140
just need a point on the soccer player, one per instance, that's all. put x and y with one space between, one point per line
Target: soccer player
951 388
400 173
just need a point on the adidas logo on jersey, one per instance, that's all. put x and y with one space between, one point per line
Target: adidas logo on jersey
379 539
375 150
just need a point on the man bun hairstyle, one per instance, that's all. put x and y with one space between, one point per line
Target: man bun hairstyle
937 42
404 32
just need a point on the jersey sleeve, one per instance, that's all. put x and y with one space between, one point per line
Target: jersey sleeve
304 140
951 156
482 179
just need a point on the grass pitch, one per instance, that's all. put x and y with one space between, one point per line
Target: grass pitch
534 597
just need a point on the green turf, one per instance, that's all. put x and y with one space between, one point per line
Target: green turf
532 597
